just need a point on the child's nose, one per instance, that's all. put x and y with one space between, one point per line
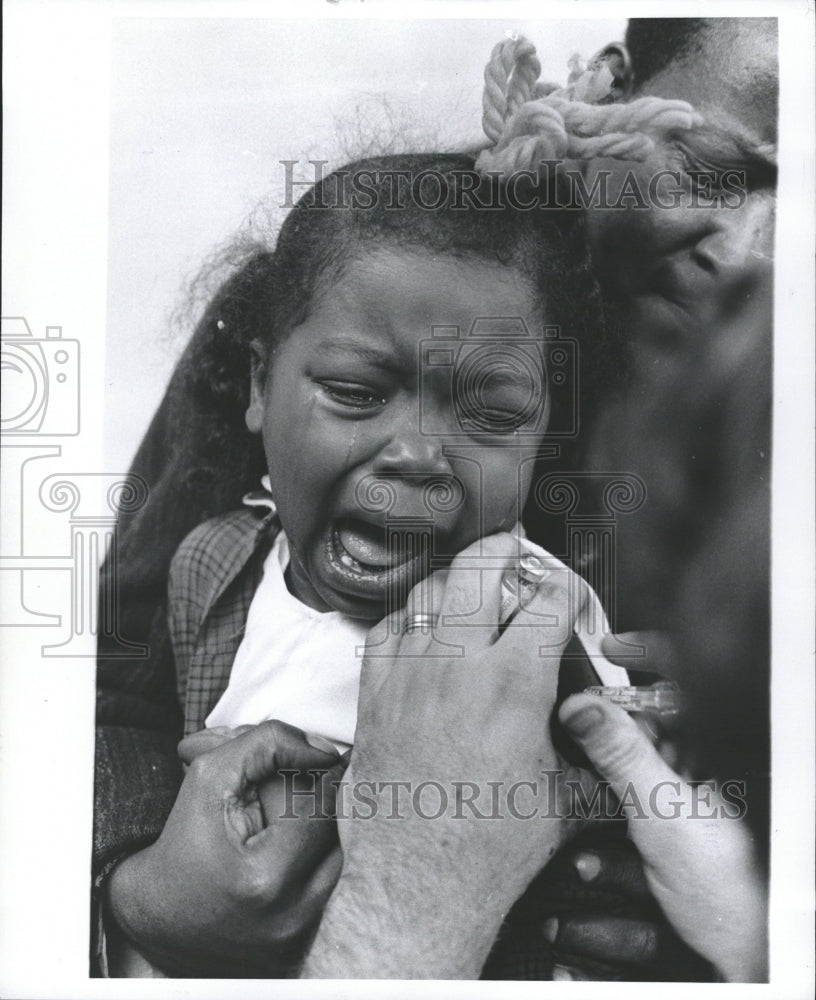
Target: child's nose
409 450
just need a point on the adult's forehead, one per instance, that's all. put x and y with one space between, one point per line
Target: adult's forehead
731 70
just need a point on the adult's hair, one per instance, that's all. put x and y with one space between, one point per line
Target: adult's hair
654 43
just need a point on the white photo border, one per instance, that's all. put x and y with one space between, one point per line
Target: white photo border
55 251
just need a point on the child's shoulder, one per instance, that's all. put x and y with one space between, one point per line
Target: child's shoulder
212 545
223 527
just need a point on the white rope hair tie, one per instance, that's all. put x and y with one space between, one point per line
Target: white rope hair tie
509 77
528 120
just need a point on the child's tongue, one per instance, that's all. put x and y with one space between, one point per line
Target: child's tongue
366 543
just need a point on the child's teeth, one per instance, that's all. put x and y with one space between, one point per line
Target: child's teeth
351 562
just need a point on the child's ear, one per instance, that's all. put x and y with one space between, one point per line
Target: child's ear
257 387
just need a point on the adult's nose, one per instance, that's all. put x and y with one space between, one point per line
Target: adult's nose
738 240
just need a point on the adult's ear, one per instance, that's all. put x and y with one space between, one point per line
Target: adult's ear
617 58
257 387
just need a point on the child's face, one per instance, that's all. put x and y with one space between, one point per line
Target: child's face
352 401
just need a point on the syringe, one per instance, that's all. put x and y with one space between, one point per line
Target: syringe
661 698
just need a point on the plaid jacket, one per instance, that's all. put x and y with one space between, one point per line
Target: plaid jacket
213 577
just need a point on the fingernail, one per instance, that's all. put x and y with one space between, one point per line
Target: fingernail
561 975
583 721
588 866
320 743
550 929
221 730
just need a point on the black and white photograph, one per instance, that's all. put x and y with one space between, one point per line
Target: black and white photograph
408 486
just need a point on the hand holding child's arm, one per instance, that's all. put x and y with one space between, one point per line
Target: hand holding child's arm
228 890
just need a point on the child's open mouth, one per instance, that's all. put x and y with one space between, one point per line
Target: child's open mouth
369 548
370 558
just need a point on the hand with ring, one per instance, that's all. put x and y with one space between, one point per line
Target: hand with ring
451 728
421 622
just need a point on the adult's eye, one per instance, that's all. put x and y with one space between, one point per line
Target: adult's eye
700 172
753 170
353 395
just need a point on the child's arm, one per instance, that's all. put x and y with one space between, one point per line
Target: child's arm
138 724
138 721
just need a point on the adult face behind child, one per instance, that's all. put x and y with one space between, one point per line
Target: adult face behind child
694 236
692 286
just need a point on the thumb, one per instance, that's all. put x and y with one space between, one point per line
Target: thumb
618 748
700 865
267 748
204 740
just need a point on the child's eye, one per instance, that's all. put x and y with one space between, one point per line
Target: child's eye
358 397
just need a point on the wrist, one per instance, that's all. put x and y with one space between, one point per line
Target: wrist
129 905
123 893
746 961
376 927
747 966
412 904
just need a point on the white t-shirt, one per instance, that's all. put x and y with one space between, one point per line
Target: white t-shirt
303 666
294 663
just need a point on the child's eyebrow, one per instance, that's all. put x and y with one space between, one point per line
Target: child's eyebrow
362 350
